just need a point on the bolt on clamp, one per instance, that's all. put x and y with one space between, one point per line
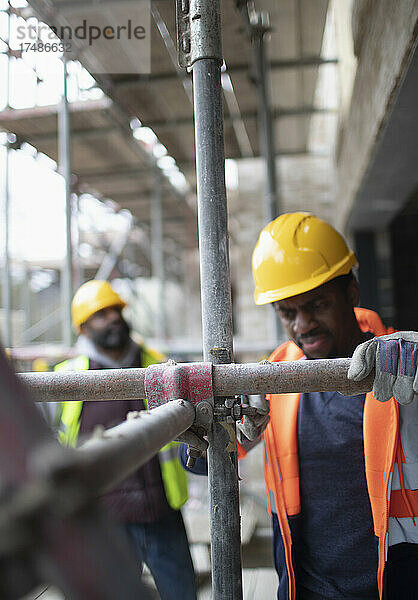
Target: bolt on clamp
234 409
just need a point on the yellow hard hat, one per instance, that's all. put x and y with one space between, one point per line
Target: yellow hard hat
91 297
295 253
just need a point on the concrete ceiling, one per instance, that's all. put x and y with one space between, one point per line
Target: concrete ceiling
105 157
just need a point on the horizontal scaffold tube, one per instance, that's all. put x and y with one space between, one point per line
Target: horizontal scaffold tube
108 457
228 380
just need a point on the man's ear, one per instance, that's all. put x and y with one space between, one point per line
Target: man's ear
353 292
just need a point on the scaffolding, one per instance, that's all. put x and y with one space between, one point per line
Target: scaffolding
42 475
65 137
51 489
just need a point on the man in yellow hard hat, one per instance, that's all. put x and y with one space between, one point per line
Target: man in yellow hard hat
341 472
147 503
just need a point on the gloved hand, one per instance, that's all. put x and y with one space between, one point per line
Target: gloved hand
395 359
253 427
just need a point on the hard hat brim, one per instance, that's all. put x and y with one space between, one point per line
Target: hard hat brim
94 309
341 268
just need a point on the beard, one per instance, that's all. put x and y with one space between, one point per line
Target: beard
113 337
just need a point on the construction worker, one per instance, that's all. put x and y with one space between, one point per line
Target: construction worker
341 472
148 502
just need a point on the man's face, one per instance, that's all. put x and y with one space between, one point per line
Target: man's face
322 322
107 329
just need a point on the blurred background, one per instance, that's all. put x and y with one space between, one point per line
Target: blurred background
98 178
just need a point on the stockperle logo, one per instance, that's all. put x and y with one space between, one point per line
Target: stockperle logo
118 39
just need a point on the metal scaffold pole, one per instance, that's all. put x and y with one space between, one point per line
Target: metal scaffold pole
228 380
258 24
157 255
64 144
258 29
7 293
200 48
26 301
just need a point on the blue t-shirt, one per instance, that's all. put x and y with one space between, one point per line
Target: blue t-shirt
336 550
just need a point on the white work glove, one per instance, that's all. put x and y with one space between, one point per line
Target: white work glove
394 357
252 427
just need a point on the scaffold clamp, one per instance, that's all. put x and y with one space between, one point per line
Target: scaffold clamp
198 32
171 381
191 382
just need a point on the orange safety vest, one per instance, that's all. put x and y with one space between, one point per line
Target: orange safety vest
382 448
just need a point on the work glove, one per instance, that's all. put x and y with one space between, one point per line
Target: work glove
394 357
252 427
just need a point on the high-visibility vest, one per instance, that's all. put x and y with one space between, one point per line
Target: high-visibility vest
173 475
382 447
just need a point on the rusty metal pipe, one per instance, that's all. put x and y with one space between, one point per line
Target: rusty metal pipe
106 459
322 375
103 384
228 380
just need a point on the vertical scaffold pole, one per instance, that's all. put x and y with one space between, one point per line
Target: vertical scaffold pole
7 292
26 302
258 28
7 284
64 144
200 43
157 255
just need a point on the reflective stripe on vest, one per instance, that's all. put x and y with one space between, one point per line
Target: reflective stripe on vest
173 475
381 427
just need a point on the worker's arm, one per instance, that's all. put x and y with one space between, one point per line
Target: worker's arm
201 465
394 358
